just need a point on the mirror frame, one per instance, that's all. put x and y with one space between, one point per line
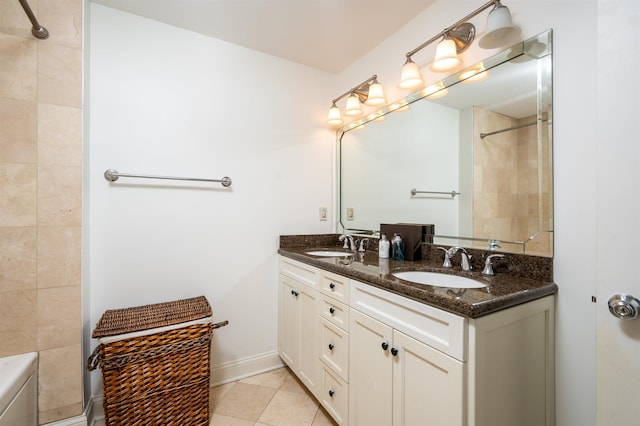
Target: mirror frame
530 47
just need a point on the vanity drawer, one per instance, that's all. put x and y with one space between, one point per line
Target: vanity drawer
335 348
334 312
439 329
334 396
335 286
299 271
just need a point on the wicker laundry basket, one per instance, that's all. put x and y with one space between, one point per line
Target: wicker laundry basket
155 363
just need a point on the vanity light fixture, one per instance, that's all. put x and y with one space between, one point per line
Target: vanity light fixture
457 38
436 90
474 75
369 92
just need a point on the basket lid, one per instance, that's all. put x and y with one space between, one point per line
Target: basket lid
127 320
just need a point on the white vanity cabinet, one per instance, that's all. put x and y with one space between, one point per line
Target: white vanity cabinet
335 345
298 332
397 378
381 358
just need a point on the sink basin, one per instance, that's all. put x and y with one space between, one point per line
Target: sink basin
438 280
328 253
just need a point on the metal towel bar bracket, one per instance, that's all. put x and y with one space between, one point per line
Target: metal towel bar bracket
112 175
452 193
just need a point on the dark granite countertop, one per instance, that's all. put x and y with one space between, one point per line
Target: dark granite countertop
502 290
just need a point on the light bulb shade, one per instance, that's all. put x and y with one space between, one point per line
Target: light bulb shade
353 108
335 116
500 29
410 77
474 75
446 56
376 95
436 90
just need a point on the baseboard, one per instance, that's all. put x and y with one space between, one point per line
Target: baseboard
245 367
72 421
220 374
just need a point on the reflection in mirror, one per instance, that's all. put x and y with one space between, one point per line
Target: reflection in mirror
476 162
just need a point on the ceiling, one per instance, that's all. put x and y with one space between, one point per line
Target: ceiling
329 35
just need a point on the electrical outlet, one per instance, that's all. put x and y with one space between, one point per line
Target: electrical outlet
350 213
323 214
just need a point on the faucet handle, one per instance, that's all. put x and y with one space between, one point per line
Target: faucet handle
447 257
488 264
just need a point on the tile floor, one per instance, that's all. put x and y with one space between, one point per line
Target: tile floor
275 398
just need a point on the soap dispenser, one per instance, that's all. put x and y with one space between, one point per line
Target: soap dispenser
397 247
383 247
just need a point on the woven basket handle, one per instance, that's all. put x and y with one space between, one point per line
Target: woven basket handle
92 362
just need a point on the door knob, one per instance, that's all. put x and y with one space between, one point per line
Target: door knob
624 306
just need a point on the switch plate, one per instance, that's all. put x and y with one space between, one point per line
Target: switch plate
350 213
323 214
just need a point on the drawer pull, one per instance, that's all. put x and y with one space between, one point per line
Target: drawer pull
331 346
394 352
295 293
332 286
385 346
332 310
331 393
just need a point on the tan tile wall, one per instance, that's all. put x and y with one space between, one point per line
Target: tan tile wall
40 197
506 182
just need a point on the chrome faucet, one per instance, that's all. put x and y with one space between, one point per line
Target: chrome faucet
450 252
349 242
488 264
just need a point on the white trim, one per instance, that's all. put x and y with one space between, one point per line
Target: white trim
220 374
80 420
245 367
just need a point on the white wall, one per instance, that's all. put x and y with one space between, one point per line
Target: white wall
574 25
170 102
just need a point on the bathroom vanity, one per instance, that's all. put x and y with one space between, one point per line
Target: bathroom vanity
377 350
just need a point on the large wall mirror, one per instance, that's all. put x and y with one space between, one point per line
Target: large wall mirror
475 162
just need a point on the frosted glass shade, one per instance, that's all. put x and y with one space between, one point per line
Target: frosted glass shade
376 95
410 77
500 29
446 56
353 108
436 90
474 75
335 116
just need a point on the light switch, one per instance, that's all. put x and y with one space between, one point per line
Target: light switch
350 213
323 214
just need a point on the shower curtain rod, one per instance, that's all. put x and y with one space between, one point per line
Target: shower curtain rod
37 30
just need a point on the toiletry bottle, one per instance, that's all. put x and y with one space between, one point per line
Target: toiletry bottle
383 247
397 247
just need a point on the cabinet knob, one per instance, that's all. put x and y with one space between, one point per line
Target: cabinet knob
332 310
332 286
394 351
385 346
331 393
295 293
331 346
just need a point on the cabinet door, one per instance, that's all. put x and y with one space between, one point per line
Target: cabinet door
370 372
309 338
289 323
428 386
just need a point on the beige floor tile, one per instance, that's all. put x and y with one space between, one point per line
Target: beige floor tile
323 419
220 420
271 379
217 393
292 384
245 401
290 408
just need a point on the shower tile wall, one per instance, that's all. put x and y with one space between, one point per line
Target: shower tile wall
507 191
40 197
